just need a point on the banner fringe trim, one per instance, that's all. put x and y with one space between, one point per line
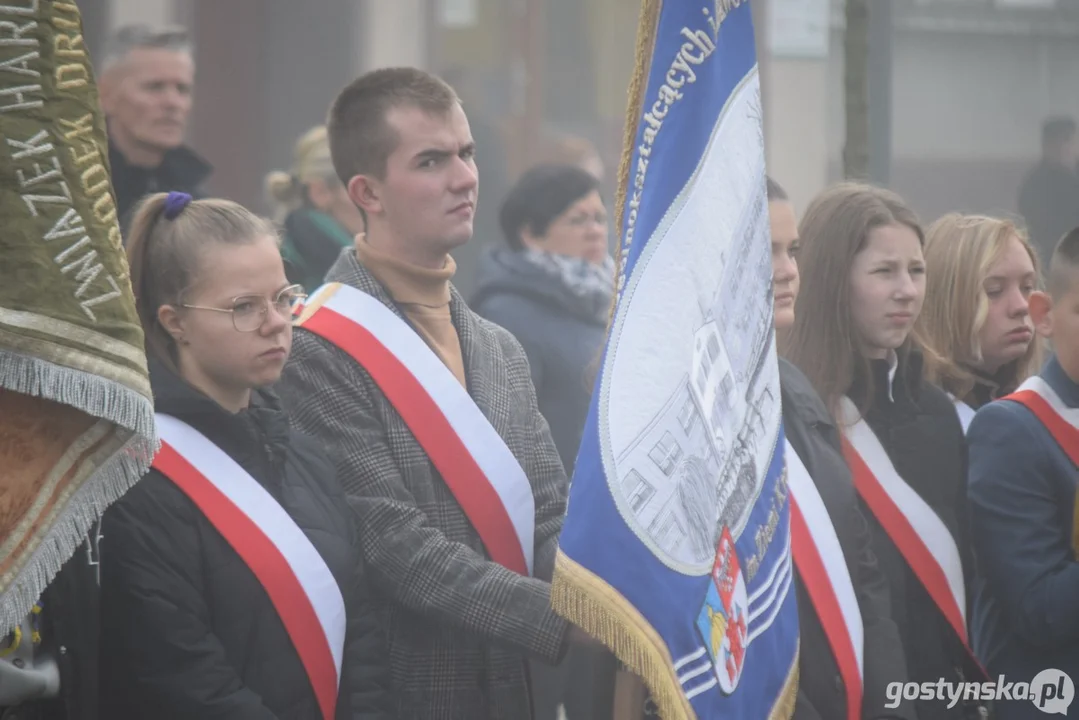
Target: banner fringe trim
106 485
132 416
586 600
82 390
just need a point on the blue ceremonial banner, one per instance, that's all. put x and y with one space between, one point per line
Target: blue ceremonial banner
676 548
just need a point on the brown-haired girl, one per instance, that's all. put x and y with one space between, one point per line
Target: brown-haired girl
862 287
231 587
976 324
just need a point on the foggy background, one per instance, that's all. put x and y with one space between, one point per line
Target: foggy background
958 88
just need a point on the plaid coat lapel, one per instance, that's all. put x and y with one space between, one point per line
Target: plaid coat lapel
485 366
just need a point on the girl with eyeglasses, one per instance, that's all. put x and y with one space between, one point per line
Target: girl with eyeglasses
232 587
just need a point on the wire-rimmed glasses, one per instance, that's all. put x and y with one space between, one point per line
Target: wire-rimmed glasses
249 312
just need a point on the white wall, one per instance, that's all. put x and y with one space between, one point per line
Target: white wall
149 12
394 33
964 96
798 107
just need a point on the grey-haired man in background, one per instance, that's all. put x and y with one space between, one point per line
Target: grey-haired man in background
146 81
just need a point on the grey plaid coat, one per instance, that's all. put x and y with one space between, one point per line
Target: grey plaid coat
459 625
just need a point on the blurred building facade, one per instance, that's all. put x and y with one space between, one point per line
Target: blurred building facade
971 81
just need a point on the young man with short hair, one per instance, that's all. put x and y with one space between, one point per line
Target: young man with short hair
431 414
1024 467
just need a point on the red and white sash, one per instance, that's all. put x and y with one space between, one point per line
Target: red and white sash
917 531
473 459
1061 421
290 569
822 567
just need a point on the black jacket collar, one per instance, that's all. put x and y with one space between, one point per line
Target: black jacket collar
905 388
181 169
181 164
988 388
263 423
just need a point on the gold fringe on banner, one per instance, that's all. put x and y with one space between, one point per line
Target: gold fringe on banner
605 614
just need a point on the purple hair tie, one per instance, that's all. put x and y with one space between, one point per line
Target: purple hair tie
175 204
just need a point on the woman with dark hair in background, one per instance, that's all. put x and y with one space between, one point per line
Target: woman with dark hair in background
552 287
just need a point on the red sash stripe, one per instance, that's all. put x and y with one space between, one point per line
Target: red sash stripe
812 571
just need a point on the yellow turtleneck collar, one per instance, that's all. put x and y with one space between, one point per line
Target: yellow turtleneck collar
407 284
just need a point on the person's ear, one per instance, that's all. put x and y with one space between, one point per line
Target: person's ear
366 192
529 240
1040 305
170 319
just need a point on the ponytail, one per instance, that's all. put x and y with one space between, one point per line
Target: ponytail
148 289
287 191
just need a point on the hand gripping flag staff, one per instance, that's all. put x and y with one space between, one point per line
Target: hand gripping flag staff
676 550
76 415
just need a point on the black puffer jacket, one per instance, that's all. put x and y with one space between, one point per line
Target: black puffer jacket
918 427
181 170
188 632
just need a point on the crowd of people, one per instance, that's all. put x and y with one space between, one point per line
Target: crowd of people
912 356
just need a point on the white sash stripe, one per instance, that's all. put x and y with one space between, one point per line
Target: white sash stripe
1069 415
926 523
474 429
256 503
822 531
965 412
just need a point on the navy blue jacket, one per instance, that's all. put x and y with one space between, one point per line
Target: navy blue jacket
1022 498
